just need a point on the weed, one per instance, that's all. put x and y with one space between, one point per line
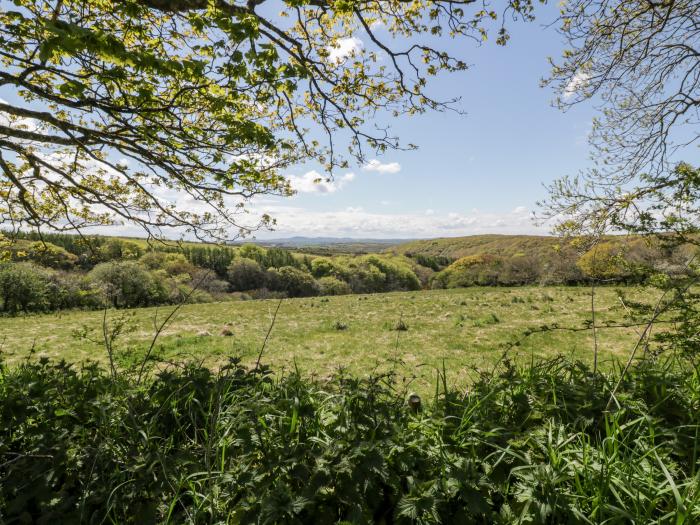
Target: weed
340 325
532 444
401 326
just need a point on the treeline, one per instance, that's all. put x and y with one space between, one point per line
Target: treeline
616 260
37 275
64 271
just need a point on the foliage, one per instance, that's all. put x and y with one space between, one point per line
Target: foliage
293 281
434 262
470 271
246 274
604 261
127 284
210 100
638 59
41 253
530 445
332 286
215 258
24 287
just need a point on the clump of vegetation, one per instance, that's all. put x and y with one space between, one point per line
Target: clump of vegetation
401 326
340 325
536 444
487 320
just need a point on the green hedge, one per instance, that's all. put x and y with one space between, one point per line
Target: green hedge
531 445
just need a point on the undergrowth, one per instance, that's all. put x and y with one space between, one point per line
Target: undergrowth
528 445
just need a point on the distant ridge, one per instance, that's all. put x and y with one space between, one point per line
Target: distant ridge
300 241
492 244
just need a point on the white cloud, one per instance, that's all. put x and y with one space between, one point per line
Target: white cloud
357 222
578 82
360 223
379 167
345 47
429 212
23 123
314 182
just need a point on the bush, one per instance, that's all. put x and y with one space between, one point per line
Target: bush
295 282
332 286
322 267
604 261
42 253
531 445
472 270
24 287
397 275
245 274
127 284
117 249
207 281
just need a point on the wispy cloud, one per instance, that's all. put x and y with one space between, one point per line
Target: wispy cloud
379 167
314 182
578 82
357 222
345 47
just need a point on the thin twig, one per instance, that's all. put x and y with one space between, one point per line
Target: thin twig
160 328
398 335
593 325
108 345
657 312
269 330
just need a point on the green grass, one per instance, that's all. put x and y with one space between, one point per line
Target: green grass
502 245
465 328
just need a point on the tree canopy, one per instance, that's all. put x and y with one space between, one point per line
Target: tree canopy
175 113
640 62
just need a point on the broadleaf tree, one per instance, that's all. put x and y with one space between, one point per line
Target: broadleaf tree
639 62
173 114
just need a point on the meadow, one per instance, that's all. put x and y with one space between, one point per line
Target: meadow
464 329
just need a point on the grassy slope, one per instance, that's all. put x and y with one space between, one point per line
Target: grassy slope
504 245
451 325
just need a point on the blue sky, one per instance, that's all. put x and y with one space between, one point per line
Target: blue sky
482 172
476 173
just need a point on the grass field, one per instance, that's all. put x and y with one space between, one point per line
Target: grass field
465 328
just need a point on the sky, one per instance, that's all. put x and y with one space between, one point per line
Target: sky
473 173
482 172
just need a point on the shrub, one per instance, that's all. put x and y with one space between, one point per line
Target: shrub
154 260
322 267
42 253
340 325
332 286
530 445
207 281
246 274
472 270
293 281
172 263
401 326
24 287
604 261
117 249
127 284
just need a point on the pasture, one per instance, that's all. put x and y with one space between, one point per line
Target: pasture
466 329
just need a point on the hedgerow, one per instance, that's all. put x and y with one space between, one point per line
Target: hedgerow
192 445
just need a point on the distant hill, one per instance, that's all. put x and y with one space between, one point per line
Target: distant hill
326 245
500 245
